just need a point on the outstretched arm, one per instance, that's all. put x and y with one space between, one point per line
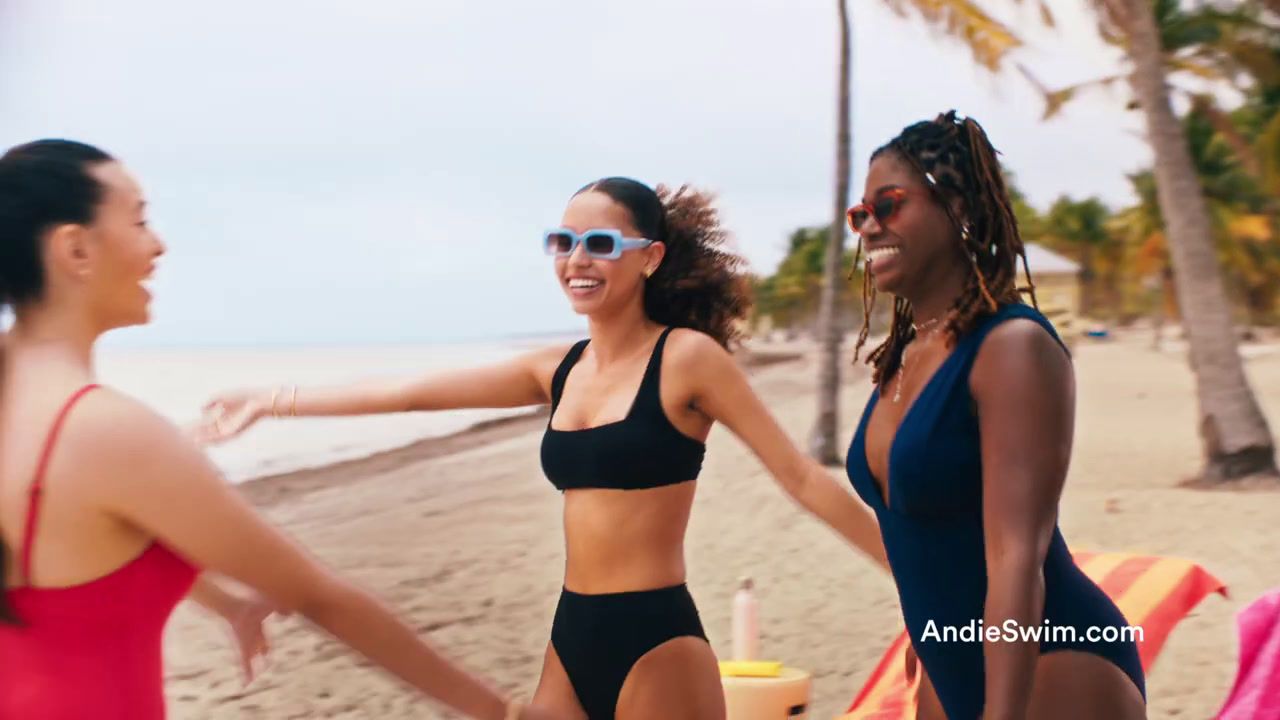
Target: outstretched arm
520 381
156 480
721 391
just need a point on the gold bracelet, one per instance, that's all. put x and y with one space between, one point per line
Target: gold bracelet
275 394
293 403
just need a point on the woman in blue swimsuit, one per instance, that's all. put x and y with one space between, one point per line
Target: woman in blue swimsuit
964 445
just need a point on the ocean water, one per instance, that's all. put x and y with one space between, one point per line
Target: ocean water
178 382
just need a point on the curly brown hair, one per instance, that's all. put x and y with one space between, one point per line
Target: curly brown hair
700 284
956 160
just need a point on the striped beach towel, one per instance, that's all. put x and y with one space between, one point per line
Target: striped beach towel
1154 593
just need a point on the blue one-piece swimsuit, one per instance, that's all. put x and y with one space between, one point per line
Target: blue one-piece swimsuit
932 528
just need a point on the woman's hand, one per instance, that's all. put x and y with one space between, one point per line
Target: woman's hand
229 415
245 619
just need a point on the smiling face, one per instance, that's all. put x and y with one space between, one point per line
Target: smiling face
597 286
119 251
907 236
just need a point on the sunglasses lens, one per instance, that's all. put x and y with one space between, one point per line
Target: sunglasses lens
558 243
884 207
858 218
599 243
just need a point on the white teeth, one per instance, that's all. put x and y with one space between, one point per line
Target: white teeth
583 283
880 253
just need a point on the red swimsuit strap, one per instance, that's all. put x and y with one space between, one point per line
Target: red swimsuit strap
38 485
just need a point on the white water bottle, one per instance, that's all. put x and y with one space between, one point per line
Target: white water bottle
746 622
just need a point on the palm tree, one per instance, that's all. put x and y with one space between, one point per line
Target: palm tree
1161 40
1236 439
1078 228
822 442
1242 217
1235 48
1253 132
988 40
790 297
1140 230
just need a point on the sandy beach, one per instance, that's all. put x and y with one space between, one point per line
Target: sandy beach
463 536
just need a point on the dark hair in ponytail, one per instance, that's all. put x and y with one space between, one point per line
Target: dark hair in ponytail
42 184
956 160
699 284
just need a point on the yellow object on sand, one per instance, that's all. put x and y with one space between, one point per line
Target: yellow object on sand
784 695
750 668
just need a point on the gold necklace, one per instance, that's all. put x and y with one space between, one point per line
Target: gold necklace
902 373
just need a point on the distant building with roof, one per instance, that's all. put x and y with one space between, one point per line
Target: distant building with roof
1057 280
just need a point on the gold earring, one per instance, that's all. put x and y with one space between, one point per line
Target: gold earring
648 272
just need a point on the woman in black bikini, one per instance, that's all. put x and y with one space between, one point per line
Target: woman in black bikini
631 410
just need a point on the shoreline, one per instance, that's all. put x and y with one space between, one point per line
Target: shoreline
273 488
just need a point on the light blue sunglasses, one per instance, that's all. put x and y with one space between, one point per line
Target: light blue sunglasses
601 244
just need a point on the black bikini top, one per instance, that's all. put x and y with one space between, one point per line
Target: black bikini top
642 450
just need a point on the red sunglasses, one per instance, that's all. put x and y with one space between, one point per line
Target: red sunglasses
882 208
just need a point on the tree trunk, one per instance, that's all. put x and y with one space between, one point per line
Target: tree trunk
822 444
1115 292
1235 437
1158 313
1089 291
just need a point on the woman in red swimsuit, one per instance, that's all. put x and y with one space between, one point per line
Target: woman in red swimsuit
108 513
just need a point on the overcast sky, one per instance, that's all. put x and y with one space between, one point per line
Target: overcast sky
339 172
